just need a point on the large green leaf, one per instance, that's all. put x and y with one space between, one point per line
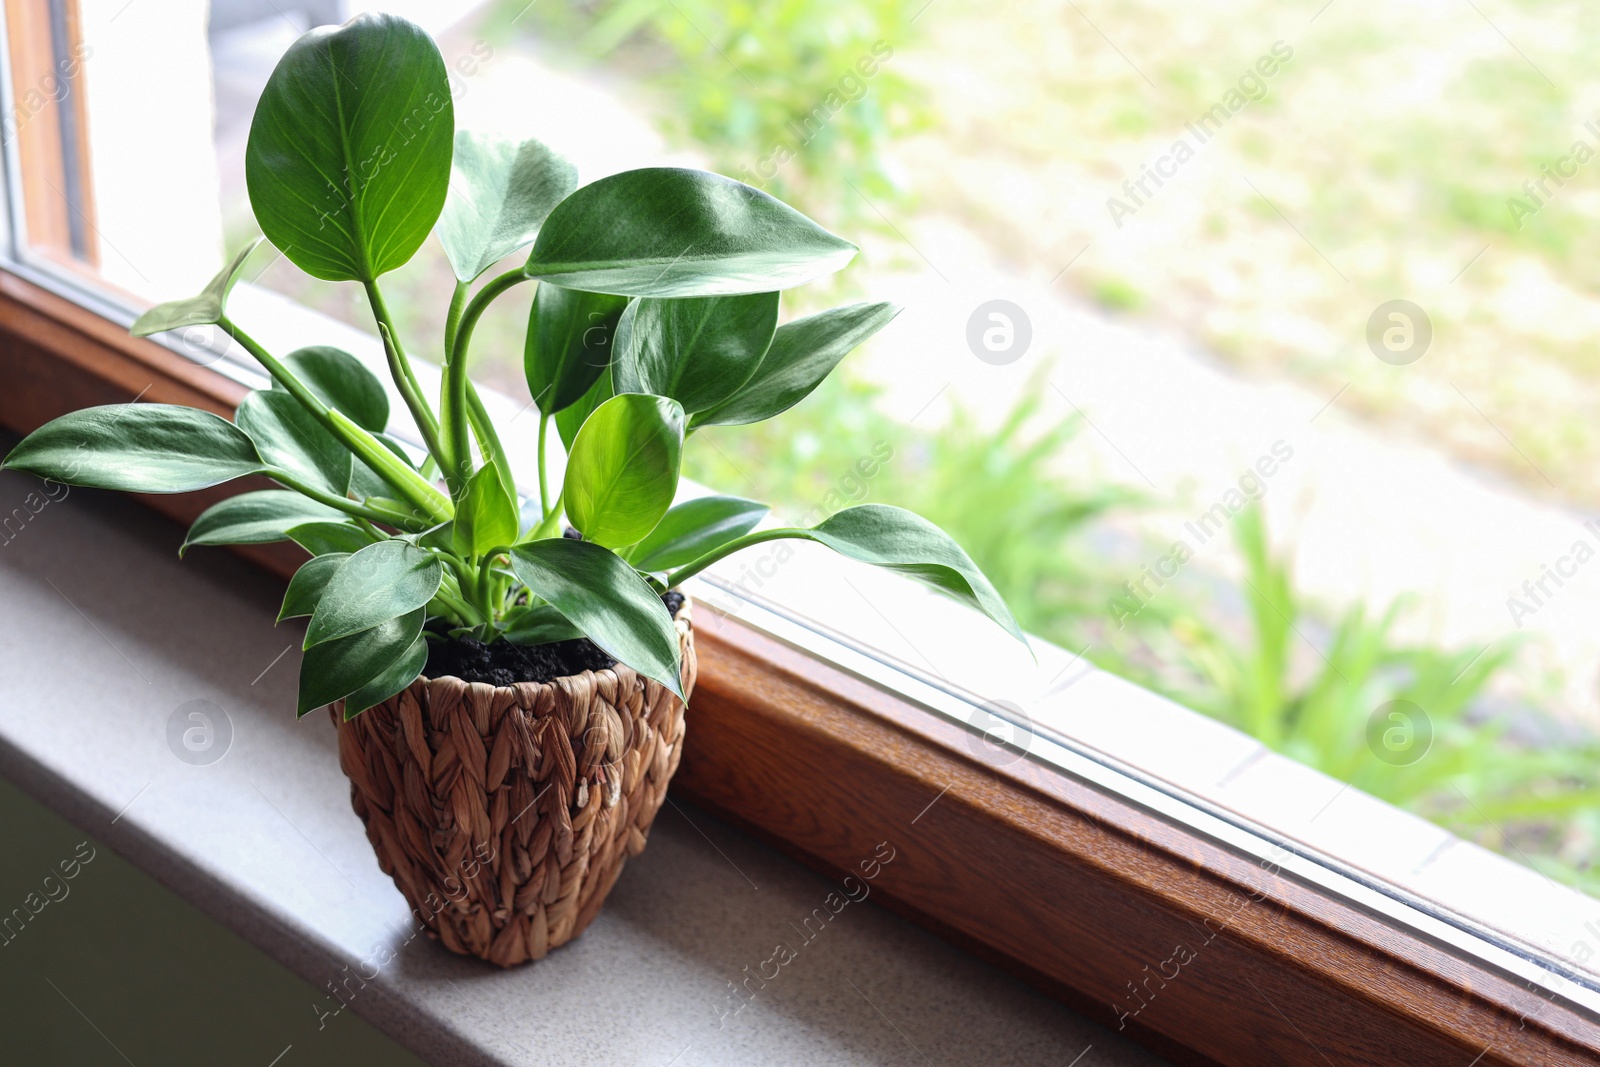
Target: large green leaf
323 537
305 588
694 528
201 310
138 448
255 519
569 343
906 542
500 191
803 353
376 584
606 599
698 350
665 231
623 470
389 681
289 438
486 517
339 668
570 419
341 381
349 155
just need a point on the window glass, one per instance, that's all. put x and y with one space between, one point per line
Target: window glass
1248 350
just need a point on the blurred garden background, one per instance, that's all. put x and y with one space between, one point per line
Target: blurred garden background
1192 312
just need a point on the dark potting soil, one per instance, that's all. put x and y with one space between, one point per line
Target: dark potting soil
503 663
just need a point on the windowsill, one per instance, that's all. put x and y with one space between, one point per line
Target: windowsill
106 633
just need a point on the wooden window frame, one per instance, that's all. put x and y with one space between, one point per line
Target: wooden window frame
1071 885
1079 891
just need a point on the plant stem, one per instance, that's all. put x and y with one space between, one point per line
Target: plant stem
493 452
453 402
486 584
322 496
544 483
690 569
411 486
458 301
400 370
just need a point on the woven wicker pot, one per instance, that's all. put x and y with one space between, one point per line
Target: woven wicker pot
505 813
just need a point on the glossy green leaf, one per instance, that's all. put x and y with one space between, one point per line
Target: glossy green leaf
695 527
389 681
322 538
138 448
289 438
570 419
904 541
666 231
803 353
569 342
341 381
486 518
539 625
698 351
500 191
201 310
340 667
605 598
348 162
305 588
255 519
623 470
376 584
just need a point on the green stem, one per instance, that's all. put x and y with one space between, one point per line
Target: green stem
322 496
400 370
494 453
544 484
411 486
486 584
458 301
550 525
453 402
690 569
466 614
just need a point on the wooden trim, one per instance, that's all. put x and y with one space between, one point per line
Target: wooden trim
49 125
1078 891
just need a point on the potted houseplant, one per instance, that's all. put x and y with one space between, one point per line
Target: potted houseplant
508 680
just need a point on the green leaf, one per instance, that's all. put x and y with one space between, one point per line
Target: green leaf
570 420
607 600
666 231
341 381
349 155
486 518
694 528
305 588
698 351
500 191
539 625
323 538
391 680
906 542
138 448
380 582
623 470
289 438
202 310
255 519
569 343
803 353
340 667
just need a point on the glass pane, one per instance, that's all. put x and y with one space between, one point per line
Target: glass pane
1247 351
